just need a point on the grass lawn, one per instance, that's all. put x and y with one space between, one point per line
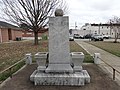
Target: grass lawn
10 53
111 47
74 47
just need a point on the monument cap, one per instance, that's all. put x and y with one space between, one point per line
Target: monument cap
58 12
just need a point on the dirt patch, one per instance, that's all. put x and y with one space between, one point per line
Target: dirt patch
99 81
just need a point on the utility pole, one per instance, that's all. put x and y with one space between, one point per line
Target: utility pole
76 27
110 26
99 29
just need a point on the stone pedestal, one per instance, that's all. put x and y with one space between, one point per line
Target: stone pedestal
28 58
75 79
97 57
41 58
77 58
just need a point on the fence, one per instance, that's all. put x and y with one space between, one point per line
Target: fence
111 67
8 72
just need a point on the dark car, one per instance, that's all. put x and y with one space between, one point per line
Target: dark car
87 36
97 37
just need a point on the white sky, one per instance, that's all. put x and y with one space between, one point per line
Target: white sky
92 11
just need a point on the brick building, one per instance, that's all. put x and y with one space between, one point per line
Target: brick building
30 33
9 32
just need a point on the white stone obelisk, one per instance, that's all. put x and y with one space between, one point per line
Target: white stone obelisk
59 57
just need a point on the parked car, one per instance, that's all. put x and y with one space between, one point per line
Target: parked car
71 38
106 36
97 37
77 36
87 36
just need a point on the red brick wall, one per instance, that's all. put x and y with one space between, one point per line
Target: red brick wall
27 34
4 33
16 33
5 37
31 34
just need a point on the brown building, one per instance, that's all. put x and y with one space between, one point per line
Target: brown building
30 33
9 32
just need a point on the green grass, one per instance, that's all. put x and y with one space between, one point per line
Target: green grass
111 47
11 53
74 47
9 72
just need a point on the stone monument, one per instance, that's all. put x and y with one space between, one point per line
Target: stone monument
59 58
60 69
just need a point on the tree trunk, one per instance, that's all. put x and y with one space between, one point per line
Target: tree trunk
36 38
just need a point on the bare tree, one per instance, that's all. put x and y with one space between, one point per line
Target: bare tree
30 14
115 25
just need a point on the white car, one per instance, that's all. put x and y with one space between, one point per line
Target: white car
77 36
71 38
106 36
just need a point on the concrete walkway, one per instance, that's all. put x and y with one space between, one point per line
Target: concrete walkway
109 58
99 81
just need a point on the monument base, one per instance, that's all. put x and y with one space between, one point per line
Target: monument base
59 68
75 79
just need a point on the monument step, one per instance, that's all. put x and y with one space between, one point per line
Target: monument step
33 76
87 76
75 79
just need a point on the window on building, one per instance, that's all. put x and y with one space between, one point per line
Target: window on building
95 32
112 33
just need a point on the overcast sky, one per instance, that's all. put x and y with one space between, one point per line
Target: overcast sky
92 11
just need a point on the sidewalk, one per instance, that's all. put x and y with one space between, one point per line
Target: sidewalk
99 81
109 58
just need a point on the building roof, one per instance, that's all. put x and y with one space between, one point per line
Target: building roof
105 24
7 25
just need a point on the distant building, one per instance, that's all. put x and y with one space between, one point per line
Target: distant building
30 33
9 32
104 29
